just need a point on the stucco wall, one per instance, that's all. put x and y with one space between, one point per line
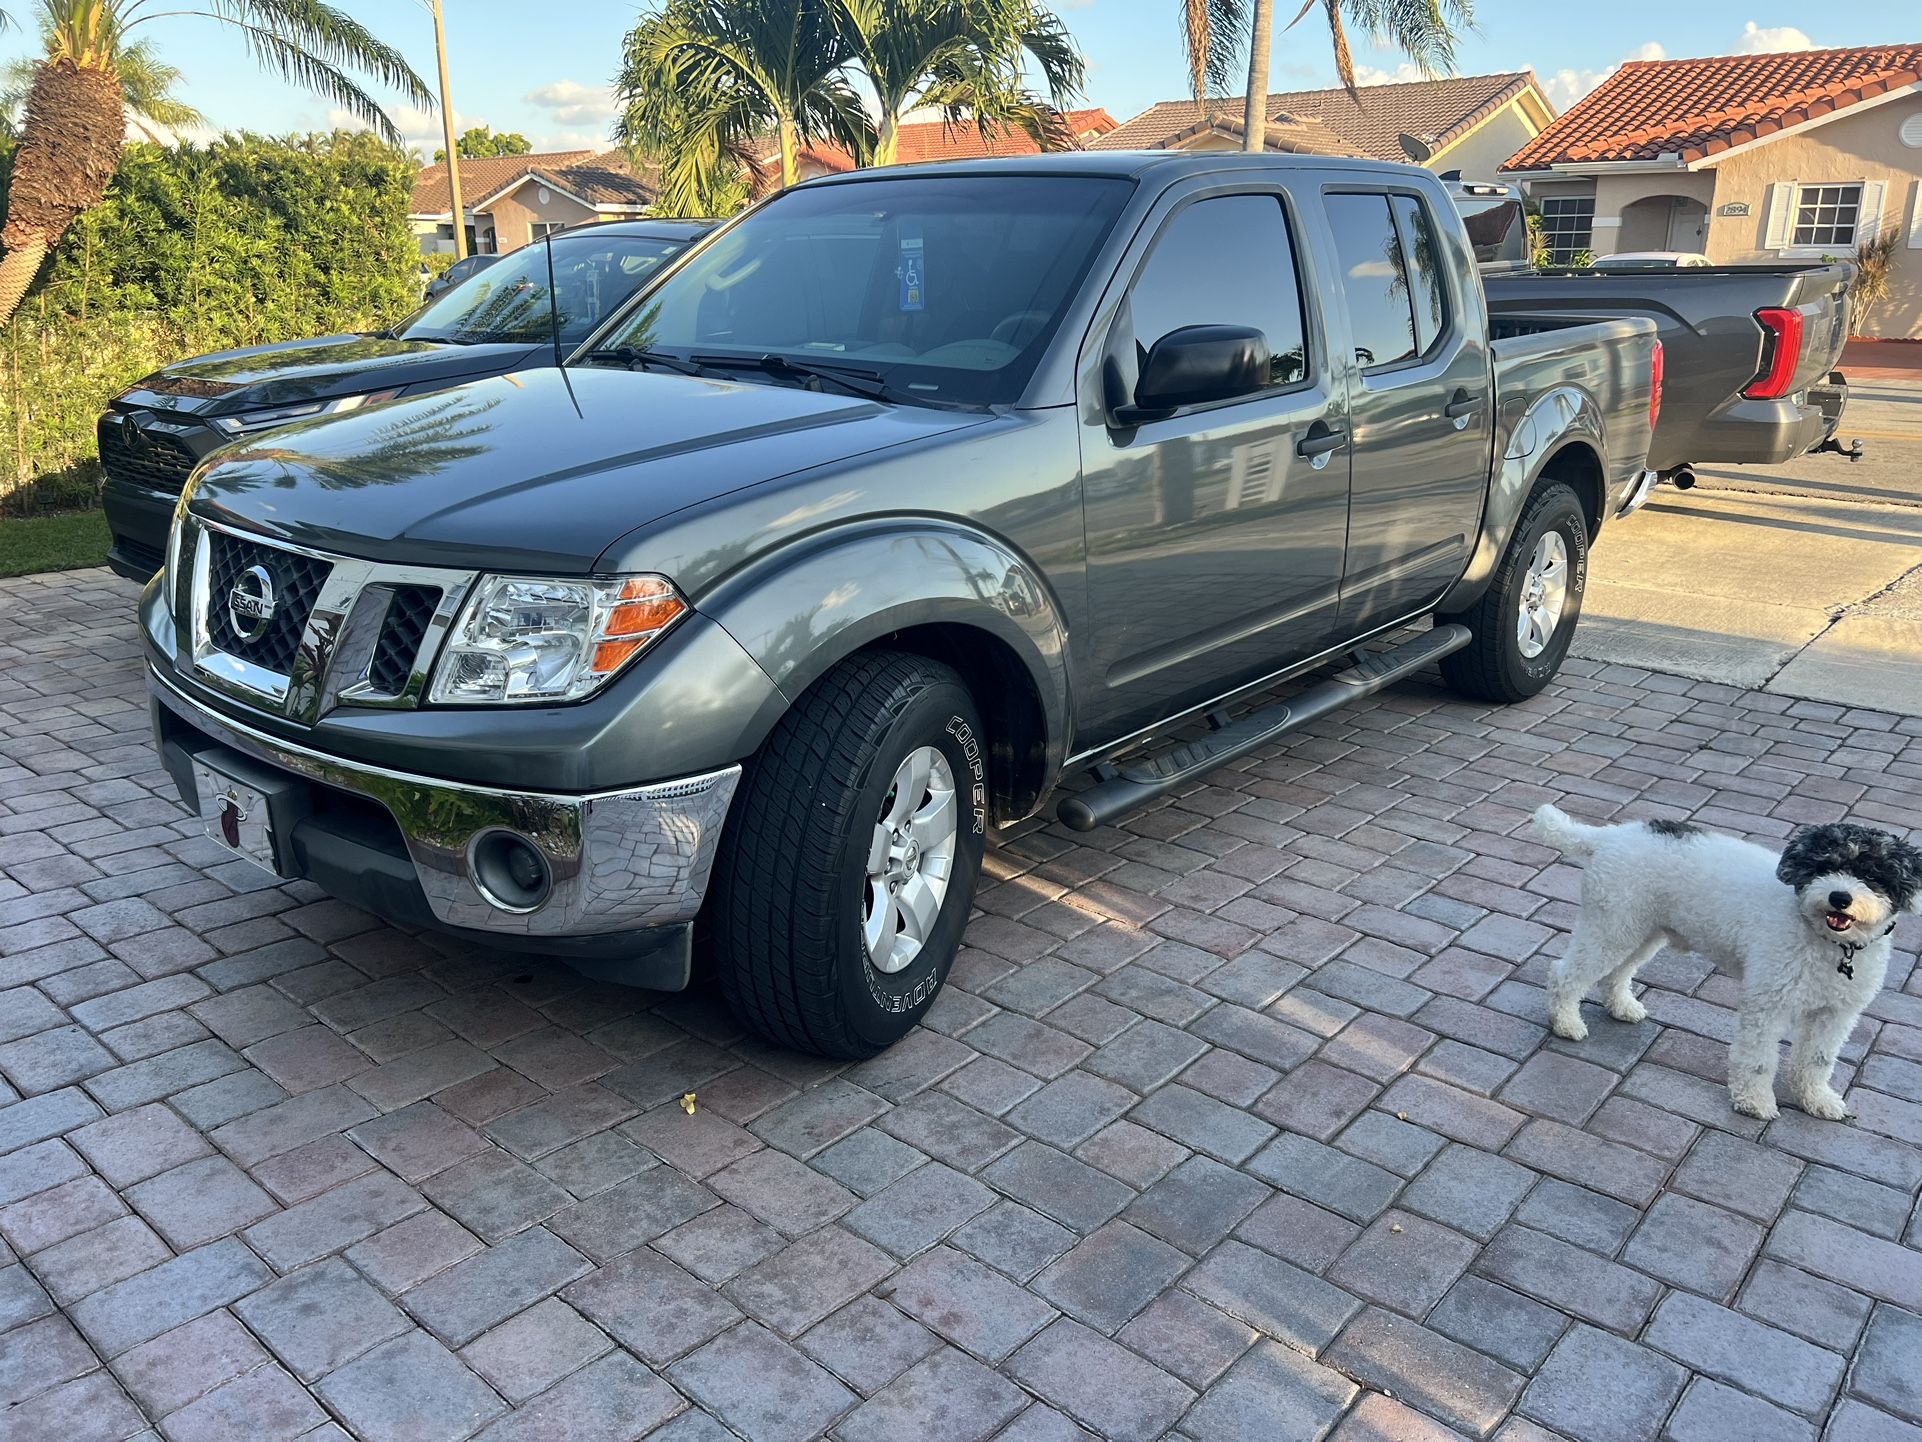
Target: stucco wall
1864 146
514 214
1477 153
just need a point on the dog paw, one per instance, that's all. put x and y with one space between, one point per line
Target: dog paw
1570 1028
1826 1104
1762 1108
1628 1009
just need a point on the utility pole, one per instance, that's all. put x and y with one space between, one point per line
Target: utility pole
447 130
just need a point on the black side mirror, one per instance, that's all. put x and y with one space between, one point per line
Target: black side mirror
1195 365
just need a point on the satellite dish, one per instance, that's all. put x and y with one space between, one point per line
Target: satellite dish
1417 148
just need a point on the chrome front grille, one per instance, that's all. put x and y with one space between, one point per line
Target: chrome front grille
402 630
291 578
298 632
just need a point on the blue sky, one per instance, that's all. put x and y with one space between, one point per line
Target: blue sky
550 81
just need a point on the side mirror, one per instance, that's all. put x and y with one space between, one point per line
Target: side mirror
1195 365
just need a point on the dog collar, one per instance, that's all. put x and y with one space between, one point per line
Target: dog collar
1846 966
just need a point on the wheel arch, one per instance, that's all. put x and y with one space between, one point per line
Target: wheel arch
951 593
1561 437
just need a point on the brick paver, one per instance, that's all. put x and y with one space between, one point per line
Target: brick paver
1238 1120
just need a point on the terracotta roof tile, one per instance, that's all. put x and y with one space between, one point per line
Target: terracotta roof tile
1440 110
1697 108
600 178
481 177
934 140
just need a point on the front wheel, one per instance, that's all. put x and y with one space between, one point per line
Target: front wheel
1525 620
848 866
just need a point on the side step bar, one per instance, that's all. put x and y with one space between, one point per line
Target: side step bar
1130 787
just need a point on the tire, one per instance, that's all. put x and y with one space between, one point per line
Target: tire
793 900
1494 666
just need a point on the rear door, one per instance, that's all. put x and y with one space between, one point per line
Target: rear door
1421 410
1215 536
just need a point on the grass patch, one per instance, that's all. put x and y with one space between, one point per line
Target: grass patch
29 544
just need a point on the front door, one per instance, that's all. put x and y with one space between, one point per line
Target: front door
1422 415
1215 536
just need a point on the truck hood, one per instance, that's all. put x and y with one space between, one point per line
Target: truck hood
304 370
537 471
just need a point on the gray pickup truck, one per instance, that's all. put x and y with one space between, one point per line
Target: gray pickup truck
895 504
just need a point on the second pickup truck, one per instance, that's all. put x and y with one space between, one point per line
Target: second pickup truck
907 505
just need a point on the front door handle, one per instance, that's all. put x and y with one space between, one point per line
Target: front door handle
1461 406
1321 442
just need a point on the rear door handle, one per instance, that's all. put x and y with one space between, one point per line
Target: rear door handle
1462 405
1321 442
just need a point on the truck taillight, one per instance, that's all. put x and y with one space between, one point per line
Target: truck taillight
1781 353
1655 373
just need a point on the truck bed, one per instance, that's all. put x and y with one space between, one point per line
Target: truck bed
1536 355
1713 344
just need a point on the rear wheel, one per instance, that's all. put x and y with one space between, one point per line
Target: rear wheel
1525 620
849 863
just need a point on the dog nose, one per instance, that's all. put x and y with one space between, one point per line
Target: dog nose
1840 900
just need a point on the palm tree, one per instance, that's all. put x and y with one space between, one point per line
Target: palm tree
147 85
965 58
76 107
1426 31
719 70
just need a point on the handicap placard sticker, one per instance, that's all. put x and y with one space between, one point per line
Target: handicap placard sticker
913 274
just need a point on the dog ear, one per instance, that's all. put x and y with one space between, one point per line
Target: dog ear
1800 863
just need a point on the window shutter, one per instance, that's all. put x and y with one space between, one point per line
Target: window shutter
1915 220
1868 219
1781 215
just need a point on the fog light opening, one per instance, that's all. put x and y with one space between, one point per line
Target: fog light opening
509 871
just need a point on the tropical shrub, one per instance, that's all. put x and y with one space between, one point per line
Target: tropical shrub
245 241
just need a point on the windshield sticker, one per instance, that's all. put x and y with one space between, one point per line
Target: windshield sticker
913 274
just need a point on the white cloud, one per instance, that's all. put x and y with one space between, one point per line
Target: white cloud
419 129
1372 75
571 103
1770 39
1565 87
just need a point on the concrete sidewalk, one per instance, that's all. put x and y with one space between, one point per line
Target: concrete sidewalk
1803 580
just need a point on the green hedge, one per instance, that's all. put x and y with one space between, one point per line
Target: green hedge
242 242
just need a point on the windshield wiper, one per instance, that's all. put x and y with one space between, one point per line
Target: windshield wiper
854 380
635 357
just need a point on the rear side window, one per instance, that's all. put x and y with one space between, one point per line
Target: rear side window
1374 279
1226 261
1424 269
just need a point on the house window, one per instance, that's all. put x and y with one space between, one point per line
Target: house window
1568 226
1826 216
547 227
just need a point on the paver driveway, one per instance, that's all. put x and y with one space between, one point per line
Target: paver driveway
1237 1121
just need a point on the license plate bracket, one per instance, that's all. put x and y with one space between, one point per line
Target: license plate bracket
247 809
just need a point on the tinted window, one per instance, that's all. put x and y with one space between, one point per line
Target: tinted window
1418 241
1374 278
947 287
1497 228
508 300
1224 262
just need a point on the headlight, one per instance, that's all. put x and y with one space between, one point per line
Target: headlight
247 422
522 638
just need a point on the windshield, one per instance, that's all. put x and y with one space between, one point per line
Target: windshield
507 301
945 288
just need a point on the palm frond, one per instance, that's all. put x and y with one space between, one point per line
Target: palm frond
1213 33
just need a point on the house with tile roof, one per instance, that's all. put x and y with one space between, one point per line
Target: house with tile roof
1464 123
512 199
1745 158
920 142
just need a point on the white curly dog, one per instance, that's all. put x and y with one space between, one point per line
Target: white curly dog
1807 933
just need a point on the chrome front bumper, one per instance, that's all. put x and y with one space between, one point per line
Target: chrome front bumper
619 860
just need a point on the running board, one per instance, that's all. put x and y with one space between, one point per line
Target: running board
1130 787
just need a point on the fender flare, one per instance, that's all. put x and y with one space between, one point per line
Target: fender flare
800 610
1562 429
